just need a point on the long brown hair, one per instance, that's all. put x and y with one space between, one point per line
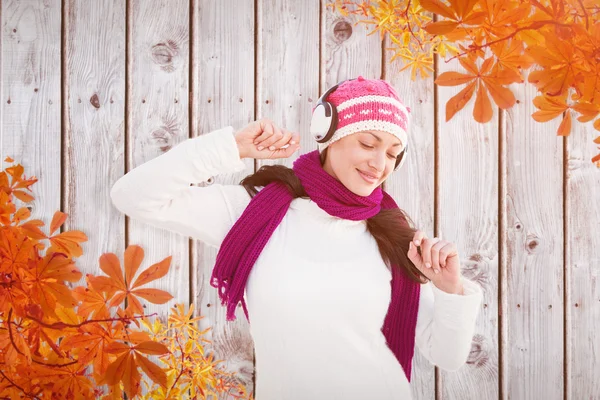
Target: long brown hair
392 229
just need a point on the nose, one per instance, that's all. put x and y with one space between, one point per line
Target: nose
378 161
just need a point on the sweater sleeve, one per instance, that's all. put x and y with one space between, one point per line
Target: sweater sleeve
446 324
158 192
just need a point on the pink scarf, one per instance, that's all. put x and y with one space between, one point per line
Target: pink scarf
248 236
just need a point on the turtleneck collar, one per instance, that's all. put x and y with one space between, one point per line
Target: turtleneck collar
309 206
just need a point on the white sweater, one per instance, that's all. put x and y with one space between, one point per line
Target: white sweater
318 293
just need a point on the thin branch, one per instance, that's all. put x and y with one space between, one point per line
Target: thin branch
17 386
62 325
535 25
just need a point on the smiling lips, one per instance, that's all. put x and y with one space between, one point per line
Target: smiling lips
367 177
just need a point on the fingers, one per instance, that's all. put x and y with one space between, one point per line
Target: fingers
285 140
419 235
433 252
413 255
285 152
426 245
436 262
274 138
267 131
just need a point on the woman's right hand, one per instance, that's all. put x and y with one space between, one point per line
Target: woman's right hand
273 142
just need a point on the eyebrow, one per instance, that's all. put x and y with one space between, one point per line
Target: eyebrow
379 139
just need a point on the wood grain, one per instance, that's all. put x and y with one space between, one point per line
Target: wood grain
222 87
90 90
466 213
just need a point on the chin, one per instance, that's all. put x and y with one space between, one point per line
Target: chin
359 186
362 189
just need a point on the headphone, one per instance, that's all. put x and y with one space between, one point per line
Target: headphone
324 122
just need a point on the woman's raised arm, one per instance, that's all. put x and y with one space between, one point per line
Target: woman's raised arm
158 191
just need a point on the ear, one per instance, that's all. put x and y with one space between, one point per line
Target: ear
323 155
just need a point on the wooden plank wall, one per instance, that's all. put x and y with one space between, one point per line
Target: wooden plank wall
90 90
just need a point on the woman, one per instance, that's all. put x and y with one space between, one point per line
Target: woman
340 288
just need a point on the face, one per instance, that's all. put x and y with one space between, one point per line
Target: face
363 160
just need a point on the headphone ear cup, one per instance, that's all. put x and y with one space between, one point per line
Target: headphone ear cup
401 158
334 121
323 122
320 122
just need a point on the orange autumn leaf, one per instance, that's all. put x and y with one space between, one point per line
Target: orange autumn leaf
58 220
119 289
459 12
564 128
94 302
441 27
152 348
588 110
155 296
557 41
153 371
59 341
31 229
457 102
19 181
549 107
482 111
48 280
125 367
561 62
452 78
489 78
68 243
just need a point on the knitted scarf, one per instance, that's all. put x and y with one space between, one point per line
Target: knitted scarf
247 238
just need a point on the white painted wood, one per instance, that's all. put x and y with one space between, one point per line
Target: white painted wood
223 94
582 191
347 50
466 213
496 190
532 266
94 125
288 74
412 186
158 120
30 111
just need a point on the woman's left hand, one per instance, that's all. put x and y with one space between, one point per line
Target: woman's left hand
438 261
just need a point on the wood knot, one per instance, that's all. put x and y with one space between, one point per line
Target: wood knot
94 101
342 31
532 244
478 356
164 53
164 137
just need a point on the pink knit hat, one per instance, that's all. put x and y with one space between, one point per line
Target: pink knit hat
367 104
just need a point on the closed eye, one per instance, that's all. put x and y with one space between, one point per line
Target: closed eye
371 147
